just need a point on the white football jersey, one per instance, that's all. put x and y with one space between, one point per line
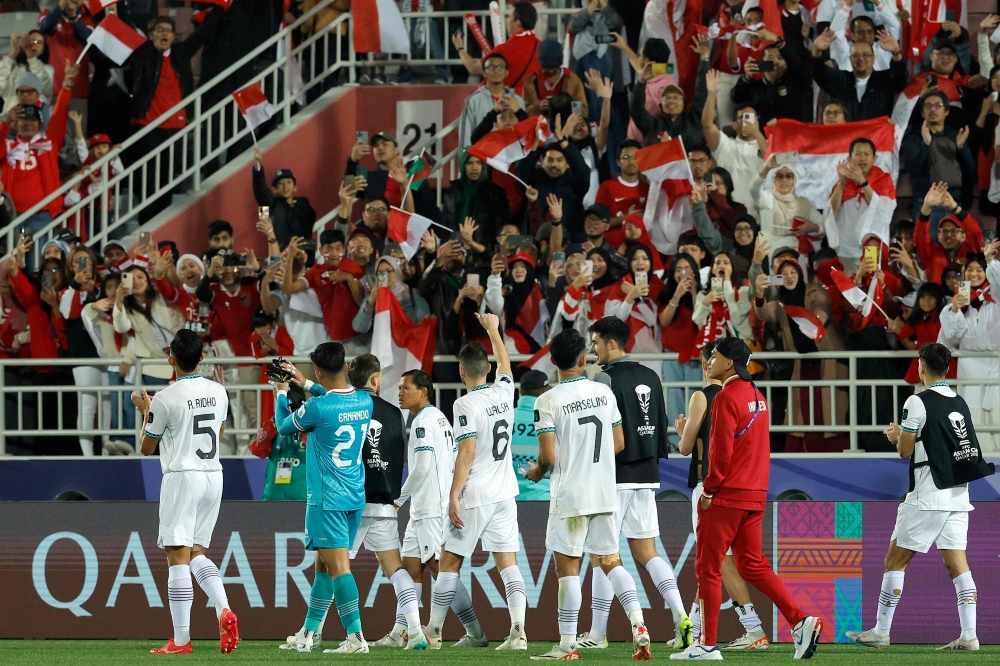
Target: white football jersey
430 431
187 417
582 414
487 413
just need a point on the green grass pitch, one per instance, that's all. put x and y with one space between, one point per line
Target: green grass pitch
121 653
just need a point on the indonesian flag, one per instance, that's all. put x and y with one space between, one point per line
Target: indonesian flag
407 229
399 344
378 27
541 361
807 321
907 101
668 209
501 148
873 297
527 332
822 147
808 243
253 104
116 39
848 288
97 6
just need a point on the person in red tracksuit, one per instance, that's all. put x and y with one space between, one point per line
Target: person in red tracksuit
732 507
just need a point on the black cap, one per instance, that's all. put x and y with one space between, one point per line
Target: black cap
534 380
736 351
66 235
944 44
600 211
282 173
384 136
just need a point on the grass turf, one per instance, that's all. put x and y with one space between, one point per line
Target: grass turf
121 653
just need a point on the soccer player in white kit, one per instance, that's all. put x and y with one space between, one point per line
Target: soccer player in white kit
482 504
187 420
579 433
430 463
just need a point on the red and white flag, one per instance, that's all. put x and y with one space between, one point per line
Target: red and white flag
407 229
378 27
399 343
501 148
253 105
116 39
541 361
807 321
848 288
668 208
97 6
822 147
772 15
926 17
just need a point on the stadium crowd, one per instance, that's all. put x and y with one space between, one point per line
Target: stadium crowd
559 239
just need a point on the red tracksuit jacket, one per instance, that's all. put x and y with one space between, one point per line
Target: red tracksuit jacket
739 470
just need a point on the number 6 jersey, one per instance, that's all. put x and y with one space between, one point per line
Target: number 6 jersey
487 413
582 415
187 417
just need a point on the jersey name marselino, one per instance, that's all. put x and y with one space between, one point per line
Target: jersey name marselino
587 403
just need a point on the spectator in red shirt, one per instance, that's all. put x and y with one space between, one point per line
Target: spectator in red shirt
67 27
189 269
958 233
520 50
268 339
336 283
30 169
624 195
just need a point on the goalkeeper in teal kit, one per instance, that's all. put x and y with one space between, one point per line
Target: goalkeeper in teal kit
337 416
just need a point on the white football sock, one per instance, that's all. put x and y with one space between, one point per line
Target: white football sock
892 589
965 588
517 597
210 580
442 597
407 611
180 592
418 587
748 617
322 621
570 600
624 587
601 596
665 581
462 605
695 616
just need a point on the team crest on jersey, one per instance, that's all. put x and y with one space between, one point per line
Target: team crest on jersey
301 412
245 301
904 414
149 418
462 421
537 416
420 433
443 423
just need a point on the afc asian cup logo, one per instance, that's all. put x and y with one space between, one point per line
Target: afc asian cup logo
374 433
644 393
958 425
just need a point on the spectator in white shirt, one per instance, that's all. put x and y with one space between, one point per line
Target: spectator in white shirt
740 156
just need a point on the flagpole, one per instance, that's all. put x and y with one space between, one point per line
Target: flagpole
83 53
253 136
516 178
410 182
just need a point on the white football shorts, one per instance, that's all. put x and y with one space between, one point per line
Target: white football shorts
495 524
595 534
189 508
636 515
917 529
377 534
423 538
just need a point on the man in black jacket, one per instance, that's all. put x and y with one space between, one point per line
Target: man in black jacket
385 149
558 168
672 119
784 92
290 215
879 88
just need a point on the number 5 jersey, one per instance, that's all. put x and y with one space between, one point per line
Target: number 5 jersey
187 417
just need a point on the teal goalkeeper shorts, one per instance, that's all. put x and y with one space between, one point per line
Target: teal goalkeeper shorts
331 529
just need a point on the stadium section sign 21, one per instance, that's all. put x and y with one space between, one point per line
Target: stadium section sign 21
92 570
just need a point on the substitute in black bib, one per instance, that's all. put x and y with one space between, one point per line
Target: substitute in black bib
639 395
938 437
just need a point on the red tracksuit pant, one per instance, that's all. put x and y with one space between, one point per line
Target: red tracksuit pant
719 529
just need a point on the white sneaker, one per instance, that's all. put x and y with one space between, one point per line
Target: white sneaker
961 644
391 640
305 642
417 641
516 641
585 642
640 643
805 637
470 641
355 644
433 642
699 652
751 640
558 653
868 638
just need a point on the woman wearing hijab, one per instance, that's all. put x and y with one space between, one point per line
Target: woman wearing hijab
635 304
583 301
972 323
475 206
389 274
518 298
787 219
795 292
745 230
719 203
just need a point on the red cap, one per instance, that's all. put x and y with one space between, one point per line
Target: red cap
98 138
520 256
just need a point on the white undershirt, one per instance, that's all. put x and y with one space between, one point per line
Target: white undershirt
860 85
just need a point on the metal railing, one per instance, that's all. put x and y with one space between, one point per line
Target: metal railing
213 127
848 392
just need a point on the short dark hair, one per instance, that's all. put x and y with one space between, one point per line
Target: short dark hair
421 380
369 198
498 56
862 140
700 148
940 94
823 254
656 50
329 236
362 368
329 357
936 358
843 107
612 328
526 14
628 143
474 359
902 227
261 318
706 352
863 19
218 226
186 348
566 348
691 238
161 19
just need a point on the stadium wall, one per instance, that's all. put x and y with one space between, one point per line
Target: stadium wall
92 570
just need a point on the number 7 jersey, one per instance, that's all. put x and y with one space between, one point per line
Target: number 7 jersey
187 417
582 414
487 413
